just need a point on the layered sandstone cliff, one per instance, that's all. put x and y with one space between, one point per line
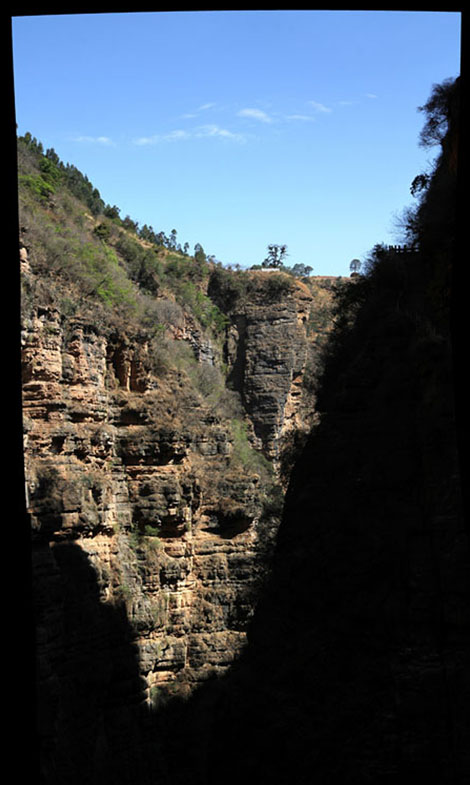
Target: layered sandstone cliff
151 534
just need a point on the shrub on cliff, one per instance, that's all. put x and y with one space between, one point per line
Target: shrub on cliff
227 287
168 312
273 501
245 456
275 287
208 380
48 488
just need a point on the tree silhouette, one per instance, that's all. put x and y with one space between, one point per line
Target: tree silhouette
301 269
276 256
437 108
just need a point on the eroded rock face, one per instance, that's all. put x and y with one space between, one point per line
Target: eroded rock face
149 544
267 352
112 464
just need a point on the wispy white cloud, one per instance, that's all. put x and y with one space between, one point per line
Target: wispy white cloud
215 130
346 103
306 117
144 140
175 135
321 108
371 95
199 132
105 140
202 108
256 114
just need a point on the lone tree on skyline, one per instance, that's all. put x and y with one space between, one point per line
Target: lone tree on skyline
276 256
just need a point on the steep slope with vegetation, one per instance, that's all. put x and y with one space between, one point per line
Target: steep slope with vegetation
163 396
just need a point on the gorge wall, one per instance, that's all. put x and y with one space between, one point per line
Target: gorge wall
151 533
357 668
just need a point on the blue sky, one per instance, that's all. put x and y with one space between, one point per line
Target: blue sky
241 128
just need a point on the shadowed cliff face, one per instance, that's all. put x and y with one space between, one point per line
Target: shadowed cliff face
89 688
366 623
357 668
95 724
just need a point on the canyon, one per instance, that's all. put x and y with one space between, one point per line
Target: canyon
249 537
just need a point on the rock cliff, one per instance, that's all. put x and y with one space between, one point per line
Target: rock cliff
151 510
267 352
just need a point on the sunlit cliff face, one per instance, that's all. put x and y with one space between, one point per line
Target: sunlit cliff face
151 504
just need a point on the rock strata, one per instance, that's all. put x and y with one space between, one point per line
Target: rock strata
149 540
267 352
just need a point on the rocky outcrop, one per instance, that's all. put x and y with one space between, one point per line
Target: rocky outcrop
267 350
